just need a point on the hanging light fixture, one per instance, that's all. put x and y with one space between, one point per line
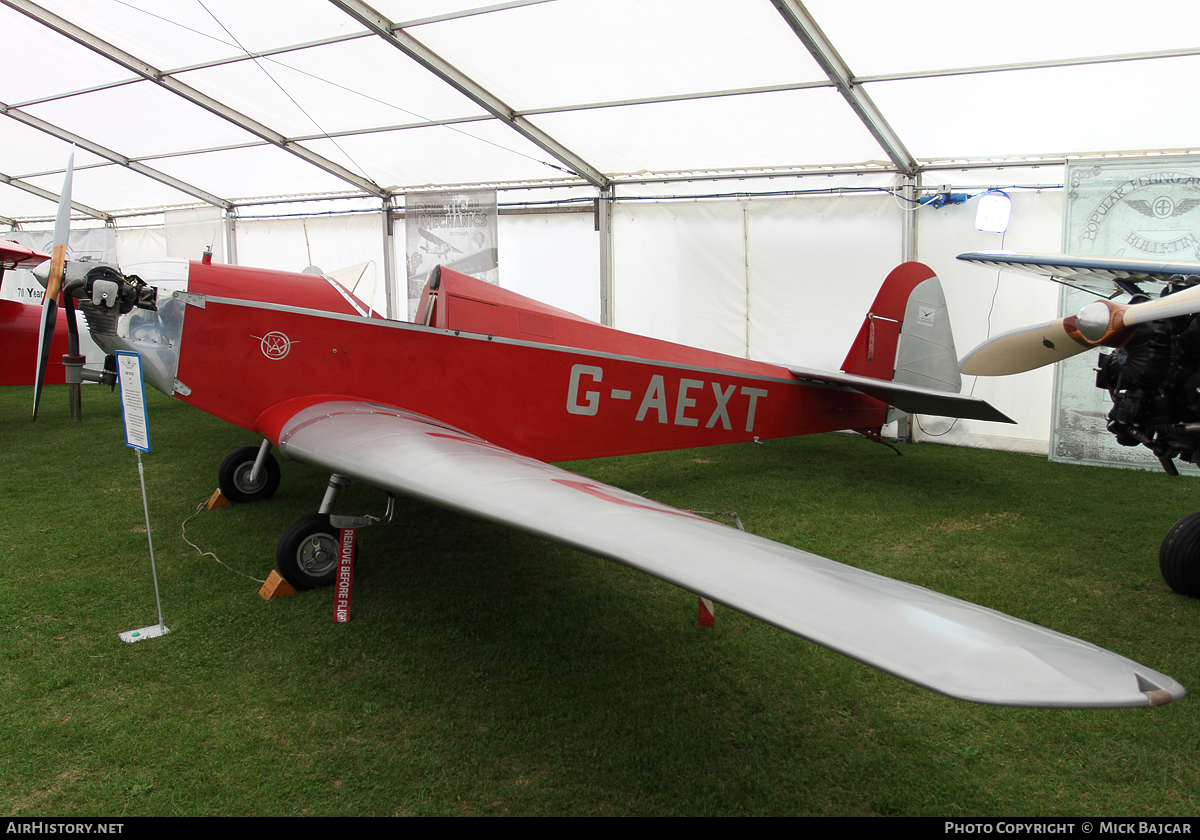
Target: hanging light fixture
993 212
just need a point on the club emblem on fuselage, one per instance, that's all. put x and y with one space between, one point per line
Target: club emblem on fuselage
275 345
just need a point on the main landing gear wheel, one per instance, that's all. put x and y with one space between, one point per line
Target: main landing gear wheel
234 476
307 554
1179 556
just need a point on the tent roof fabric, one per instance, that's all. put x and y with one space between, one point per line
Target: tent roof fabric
228 103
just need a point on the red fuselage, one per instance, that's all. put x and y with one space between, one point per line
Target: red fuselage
536 380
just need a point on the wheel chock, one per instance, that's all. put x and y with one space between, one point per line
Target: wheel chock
275 587
217 501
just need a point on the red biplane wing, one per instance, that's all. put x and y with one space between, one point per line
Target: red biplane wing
944 644
16 255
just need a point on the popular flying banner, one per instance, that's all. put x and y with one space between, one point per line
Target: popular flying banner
1147 209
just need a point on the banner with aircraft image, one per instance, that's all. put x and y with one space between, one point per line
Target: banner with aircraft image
1149 210
456 229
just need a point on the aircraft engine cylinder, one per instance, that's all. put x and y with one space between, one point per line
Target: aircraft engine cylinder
100 320
1189 338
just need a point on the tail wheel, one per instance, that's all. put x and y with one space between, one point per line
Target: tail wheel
234 476
1179 556
307 554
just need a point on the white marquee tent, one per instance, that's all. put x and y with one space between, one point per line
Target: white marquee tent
735 174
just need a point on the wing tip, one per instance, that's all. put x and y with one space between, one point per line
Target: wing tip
1160 697
1157 695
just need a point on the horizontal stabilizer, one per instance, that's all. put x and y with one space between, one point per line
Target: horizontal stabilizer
911 399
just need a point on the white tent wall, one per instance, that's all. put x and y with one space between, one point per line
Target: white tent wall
984 303
553 258
329 242
191 232
816 265
144 243
679 272
806 268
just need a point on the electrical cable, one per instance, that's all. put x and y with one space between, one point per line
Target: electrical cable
975 380
183 532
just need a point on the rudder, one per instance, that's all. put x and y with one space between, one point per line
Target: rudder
906 334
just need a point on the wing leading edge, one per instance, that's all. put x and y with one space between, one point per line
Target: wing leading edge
1105 276
935 641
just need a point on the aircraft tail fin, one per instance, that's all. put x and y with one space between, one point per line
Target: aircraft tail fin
905 336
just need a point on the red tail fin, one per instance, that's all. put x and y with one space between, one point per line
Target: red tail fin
874 350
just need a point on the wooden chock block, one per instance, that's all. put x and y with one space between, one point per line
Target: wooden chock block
217 501
275 587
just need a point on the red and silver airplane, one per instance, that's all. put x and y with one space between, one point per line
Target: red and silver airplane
466 406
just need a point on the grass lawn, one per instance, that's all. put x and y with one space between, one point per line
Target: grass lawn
488 672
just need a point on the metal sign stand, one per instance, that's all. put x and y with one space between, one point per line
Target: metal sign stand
137 437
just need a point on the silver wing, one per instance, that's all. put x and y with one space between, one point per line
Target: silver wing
941 643
1098 275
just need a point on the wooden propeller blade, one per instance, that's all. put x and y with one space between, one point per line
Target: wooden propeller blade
1185 302
45 337
1026 348
58 262
1101 323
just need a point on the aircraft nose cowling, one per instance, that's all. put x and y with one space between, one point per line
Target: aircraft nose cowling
154 333
1093 320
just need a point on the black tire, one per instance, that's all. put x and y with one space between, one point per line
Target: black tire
307 553
1179 556
234 476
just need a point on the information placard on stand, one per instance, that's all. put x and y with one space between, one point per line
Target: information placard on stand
137 437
